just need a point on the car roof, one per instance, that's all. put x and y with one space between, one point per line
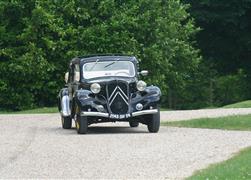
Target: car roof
102 57
108 57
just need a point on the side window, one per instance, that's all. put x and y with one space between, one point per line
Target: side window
76 73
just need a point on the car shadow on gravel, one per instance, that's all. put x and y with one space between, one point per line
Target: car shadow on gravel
97 130
115 130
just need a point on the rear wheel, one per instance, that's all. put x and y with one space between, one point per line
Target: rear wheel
134 124
66 122
154 122
82 124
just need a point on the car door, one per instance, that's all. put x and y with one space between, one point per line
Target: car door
76 78
69 84
73 85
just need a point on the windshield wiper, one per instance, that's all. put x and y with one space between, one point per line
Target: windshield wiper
111 63
94 64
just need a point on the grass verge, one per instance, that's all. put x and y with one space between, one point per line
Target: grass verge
238 167
227 123
243 104
164 109
33 111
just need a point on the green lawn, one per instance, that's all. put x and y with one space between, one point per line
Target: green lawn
164 109
33 111
238 167
228 123
243 104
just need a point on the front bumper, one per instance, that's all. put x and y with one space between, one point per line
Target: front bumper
107 115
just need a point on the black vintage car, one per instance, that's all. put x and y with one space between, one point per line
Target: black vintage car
107 89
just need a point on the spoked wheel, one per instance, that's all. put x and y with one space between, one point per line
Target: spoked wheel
66 122
154 122
82 124
134 124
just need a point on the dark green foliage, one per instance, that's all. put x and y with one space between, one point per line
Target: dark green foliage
39 37
198 90
231 88
225 37
225 43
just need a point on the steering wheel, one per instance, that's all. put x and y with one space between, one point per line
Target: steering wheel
123 73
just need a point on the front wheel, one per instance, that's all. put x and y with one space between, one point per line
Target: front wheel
154 122
82 124
66 122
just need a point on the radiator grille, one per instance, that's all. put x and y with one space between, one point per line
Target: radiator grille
117 95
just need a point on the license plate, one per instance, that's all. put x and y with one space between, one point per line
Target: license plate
119 116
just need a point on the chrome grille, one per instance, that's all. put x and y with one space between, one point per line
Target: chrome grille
117 95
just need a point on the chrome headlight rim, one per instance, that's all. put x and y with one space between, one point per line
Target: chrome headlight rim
95 88
141 85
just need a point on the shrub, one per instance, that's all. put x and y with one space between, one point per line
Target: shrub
231 88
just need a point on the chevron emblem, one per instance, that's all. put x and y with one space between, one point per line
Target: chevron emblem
118 92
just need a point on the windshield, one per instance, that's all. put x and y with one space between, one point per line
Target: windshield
108 68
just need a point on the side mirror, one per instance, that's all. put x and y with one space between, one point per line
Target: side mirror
144 72
66 76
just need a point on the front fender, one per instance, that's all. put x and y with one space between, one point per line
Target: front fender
149 97
83 97
153 93
86 99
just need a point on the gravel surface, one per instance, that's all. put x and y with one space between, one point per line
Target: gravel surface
202 113
35 146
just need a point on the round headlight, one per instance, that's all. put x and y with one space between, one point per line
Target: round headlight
141 85
95 88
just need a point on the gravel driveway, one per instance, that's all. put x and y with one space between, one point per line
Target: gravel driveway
35 146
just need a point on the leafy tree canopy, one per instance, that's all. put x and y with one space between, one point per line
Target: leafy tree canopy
225 39
39 37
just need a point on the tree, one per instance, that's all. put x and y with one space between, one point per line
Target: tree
225 39
39 37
